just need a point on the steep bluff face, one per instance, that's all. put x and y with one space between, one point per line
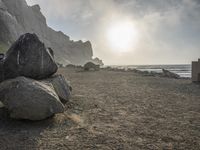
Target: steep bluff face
17 18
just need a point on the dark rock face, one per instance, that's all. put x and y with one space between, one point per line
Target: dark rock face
167 73
17 18
91 66
61 87
97 61
1 71
29 57
1 56
29 99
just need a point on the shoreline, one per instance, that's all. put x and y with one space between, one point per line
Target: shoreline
163 73
156 69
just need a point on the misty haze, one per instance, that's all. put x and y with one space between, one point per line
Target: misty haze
100 74
156 31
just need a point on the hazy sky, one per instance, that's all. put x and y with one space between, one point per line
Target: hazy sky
165 31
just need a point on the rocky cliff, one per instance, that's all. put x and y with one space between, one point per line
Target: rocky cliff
17 18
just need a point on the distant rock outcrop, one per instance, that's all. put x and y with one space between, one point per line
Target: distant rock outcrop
169 74
91 66
17 18
97 61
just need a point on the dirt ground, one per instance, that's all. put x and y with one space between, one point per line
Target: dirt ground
112 110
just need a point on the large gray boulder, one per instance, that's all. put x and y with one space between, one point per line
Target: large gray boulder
29 57
29 99
61 86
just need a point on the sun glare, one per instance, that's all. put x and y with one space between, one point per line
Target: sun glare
122 36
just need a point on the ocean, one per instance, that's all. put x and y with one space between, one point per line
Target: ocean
182 70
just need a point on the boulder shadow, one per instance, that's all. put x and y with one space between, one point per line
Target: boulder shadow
21 134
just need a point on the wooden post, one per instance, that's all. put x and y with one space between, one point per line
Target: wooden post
196 71
199 77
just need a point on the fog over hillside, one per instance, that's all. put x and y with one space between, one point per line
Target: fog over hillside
168 30
17 18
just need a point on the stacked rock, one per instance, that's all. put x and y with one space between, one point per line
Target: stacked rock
29 89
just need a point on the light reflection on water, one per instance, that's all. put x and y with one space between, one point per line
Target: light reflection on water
182 70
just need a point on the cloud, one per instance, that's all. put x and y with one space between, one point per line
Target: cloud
169 29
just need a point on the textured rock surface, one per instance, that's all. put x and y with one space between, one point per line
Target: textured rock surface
17 18
29 57
29 99
61 87
1 71
167 73
97 61
90 65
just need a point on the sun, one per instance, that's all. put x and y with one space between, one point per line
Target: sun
122 36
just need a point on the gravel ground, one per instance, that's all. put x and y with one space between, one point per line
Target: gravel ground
113 110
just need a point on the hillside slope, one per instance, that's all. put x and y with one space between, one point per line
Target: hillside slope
17 18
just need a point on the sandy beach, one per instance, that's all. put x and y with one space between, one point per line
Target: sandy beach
114 110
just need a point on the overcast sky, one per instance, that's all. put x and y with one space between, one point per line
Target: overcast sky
168 31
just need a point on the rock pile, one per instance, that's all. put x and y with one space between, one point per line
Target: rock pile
28 88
